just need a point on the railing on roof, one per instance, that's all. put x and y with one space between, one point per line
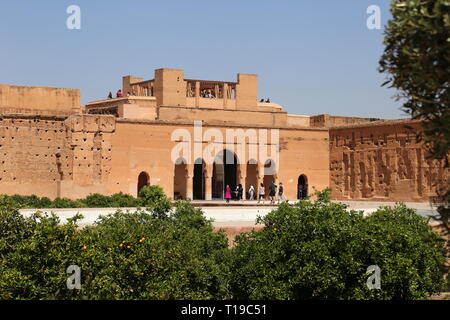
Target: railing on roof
210 89
143 88
206 89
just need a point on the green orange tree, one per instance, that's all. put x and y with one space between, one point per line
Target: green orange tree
417 63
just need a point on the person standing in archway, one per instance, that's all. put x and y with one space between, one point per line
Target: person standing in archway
261 193
251 193
272 192
228 193
300 191
240 192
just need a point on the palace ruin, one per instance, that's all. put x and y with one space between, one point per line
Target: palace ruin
51 146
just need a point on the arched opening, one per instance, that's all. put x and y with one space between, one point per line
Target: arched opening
199 180
179 179
269 174
302 187
143 180
224 173
252 178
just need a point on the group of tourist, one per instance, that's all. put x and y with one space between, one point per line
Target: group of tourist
118 94
239 192
276 193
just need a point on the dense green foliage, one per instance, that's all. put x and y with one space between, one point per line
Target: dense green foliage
148 196
417 61
319 250
123 256
306 250
155 198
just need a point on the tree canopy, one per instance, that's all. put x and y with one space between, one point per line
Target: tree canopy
417 63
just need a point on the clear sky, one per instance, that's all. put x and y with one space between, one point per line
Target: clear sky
312 56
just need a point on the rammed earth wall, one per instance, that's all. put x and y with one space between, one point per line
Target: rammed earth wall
383 161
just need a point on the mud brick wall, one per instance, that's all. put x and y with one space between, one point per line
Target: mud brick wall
54 156
326 120
87 149
382 162
39 100
27 153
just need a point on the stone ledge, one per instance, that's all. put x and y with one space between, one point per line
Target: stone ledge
216 124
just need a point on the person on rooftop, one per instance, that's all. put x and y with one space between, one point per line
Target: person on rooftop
119 93
110 95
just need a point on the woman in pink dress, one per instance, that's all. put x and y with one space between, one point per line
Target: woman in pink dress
228 193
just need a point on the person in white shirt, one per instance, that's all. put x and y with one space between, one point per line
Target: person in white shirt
251 193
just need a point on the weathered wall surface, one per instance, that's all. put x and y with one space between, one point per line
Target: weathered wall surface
28 151
82 154
39 100
297 120
85 162
382 162
54 156
326 120
48 148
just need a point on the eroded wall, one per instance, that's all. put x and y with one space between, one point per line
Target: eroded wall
28 151
74 155
382 162
86 158
326 120
54 156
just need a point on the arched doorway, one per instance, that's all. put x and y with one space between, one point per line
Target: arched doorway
252 177
179 179
143 180
199 180
269 175
302 187
224 173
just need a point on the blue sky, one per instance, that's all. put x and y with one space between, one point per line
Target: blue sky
312 57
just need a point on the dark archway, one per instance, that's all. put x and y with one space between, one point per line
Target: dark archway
224 173
179 179
302 187
252 177
143 180
269 175
199 180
